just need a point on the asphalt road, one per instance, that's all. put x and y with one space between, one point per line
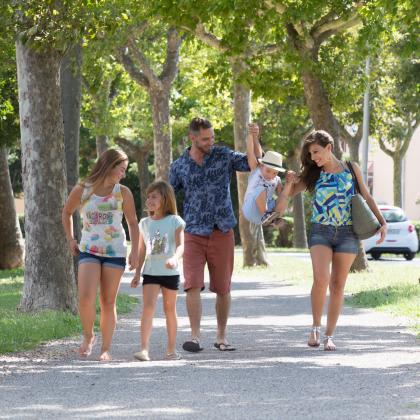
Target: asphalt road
374 374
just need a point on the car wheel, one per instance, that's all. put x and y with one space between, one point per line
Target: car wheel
376 255
409 256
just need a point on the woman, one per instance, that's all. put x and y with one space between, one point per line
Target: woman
102 249
332 241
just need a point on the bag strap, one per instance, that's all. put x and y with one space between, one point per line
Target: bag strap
356 183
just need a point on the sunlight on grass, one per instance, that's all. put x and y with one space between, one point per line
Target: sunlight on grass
385 287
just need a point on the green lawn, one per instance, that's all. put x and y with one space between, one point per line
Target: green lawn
21 331
385 287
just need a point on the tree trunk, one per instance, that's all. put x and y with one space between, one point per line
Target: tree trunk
144 179
159 100
71 94
11 241
299 224
140 153
252 245
360 263
101 144
354 150
49 278
396 157
320 108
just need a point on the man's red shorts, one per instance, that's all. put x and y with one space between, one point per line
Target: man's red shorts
217 250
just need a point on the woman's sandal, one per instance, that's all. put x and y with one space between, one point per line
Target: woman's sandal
329 343
315 334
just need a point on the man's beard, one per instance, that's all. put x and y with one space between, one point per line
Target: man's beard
205 151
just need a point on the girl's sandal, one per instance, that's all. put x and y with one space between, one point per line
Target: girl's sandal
329 343
314 337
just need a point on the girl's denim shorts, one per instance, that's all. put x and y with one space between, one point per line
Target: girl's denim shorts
116 262
338 238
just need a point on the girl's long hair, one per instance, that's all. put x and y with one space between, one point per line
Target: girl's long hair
106 162
168 196
309 170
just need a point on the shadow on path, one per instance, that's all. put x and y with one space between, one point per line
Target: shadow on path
273 374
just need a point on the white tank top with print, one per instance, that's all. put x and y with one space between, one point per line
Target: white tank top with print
102 232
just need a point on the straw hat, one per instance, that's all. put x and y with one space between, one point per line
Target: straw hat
273 160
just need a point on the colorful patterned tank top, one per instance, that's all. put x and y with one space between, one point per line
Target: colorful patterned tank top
102 232
332 201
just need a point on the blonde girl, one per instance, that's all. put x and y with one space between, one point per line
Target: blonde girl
161 244
102 251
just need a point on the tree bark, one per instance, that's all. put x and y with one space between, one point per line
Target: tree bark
253 245
162 133
316 96
320 109
354 151
11 241
71 95
158 87
396 157
140 154
299 224
101 144
353 142
49 278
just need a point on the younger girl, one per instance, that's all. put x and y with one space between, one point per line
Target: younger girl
161 244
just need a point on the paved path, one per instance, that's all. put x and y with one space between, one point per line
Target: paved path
273 375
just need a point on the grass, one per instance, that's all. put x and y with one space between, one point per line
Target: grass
385 287
23 331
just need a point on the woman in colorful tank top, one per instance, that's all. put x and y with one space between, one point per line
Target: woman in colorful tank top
332 241
102 201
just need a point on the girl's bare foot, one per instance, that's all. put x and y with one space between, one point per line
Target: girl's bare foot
86 347
105 356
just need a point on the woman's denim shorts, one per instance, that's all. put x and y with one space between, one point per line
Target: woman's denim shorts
116 262
338 238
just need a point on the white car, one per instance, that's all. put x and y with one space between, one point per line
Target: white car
400 239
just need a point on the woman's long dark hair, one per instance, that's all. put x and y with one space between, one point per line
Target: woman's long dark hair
309 169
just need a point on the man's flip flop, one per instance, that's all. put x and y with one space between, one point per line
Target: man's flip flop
224 347
192 346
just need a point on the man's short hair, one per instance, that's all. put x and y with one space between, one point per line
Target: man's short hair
197 124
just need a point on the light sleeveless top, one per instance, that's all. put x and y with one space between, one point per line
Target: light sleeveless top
332 200
102 232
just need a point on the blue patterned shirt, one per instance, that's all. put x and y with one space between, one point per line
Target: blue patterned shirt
207 201
332 201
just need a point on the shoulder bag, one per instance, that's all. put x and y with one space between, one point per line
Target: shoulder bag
365 223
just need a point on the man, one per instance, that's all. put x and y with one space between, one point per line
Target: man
204 172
